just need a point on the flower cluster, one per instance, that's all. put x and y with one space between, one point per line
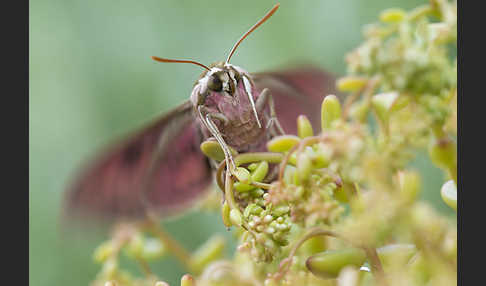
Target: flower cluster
342 206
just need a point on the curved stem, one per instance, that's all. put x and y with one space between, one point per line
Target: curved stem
286 263
375 263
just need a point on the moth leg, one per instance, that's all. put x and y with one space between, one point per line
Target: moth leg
264 99
227 152
208 122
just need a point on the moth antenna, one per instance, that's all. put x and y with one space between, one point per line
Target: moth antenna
179 61
262 20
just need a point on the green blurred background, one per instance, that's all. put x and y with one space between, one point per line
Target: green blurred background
92 79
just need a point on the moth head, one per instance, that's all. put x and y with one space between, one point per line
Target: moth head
222 77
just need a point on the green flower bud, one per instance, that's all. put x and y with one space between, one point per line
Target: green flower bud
351 83
409 185
448 193
304 166
260 172
443 153
281 210
321 156
330 111
242 174
314 245
382 103
225 214
282 143
341 195
252 209
213 150
252 167
210 251
187 280
293 159
102 252
329 263
242 188
393 15
304 127
235 217
289 174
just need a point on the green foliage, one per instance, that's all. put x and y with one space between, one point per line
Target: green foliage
344 208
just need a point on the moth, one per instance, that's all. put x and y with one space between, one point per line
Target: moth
161 167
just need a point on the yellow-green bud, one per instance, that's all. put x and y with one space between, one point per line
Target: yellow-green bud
282 143
211 250
443 153
242 188
351 83
304 127
235 217
329 263
242 174
187 280
252 209
252 166
304 166
342 193
382 103
322 156
330 111
213 150
393 15
293 159
289 174
225 214
260 172
314 245
102 252
448 193
281 210
409 185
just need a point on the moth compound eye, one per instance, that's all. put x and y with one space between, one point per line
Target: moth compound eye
214 83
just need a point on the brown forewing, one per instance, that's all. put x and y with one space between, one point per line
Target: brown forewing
297 91
159 168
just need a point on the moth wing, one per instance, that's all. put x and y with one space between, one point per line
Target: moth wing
159 168
297 91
